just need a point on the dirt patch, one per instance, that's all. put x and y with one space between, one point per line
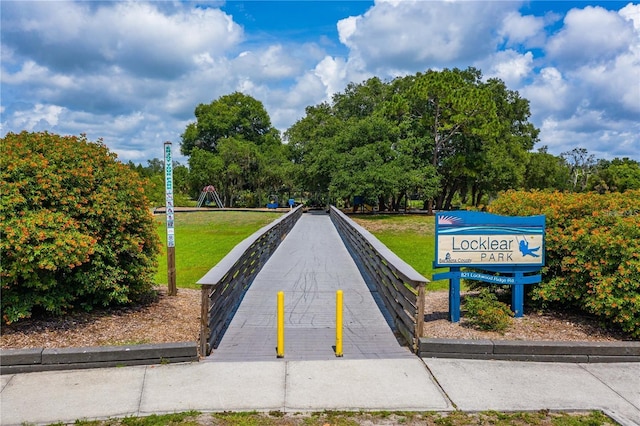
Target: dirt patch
547 326
166 320
177 319
422 225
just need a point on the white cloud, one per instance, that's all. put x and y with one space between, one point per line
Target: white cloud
132 72
631 12
29 71
37 118
138 36
527 30
614 86
549 93
509 66
592 97
612 140
332 73
347 28
415 35
270 63
590 35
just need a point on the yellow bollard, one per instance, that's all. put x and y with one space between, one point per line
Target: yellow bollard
280 345
339 323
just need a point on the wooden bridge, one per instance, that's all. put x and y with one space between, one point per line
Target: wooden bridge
309 257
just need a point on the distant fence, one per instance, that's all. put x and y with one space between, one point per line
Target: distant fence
226 283
401 287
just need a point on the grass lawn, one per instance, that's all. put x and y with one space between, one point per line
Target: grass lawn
344 418
203 239
411 237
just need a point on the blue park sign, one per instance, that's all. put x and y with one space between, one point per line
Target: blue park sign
503 250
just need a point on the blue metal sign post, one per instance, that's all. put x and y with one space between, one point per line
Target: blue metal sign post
503 250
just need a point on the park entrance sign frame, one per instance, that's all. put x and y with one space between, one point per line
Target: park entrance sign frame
502 250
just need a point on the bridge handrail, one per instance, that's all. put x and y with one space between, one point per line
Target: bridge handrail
402 288
226 283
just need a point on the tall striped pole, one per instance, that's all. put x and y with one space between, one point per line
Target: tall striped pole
169 211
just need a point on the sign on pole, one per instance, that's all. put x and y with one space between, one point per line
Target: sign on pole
500 250
169 209
482 239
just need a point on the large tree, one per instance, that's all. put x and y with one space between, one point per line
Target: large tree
546 171
237 116
311 145
581 165
615 175
234 147
438 135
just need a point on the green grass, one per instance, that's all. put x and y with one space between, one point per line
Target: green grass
203 239
411 237
346 418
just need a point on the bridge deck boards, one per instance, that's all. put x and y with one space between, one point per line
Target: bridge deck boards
310 264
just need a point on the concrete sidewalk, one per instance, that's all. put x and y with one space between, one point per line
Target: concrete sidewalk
409 384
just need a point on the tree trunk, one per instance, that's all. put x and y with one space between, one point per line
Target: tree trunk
464 193
449 199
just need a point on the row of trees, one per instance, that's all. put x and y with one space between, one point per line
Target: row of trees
431 136
447 138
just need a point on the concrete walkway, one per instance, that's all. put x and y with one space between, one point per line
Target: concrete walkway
338 384
309 266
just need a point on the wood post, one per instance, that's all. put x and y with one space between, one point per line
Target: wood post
171 271
420 314
204 320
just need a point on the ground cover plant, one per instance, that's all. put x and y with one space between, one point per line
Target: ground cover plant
203 239
75 227
592 251
486 312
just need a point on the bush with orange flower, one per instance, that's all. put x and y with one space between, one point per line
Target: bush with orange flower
75 227
592 251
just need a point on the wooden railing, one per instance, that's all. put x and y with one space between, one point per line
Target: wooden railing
226 283
401 287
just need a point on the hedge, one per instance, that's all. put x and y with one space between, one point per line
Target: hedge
592 251
75 227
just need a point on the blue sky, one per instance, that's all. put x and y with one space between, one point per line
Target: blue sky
132 72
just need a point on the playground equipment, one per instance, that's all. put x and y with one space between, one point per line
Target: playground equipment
273 202
208 195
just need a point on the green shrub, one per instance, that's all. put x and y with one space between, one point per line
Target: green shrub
75 227
486 312
592 251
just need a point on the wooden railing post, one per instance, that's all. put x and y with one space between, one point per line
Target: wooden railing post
204 320
420 314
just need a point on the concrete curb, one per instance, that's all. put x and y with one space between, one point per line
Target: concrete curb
42 359
522 350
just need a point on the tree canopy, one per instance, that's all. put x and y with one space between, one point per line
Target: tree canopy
447 138
233 146
433 135
235 116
